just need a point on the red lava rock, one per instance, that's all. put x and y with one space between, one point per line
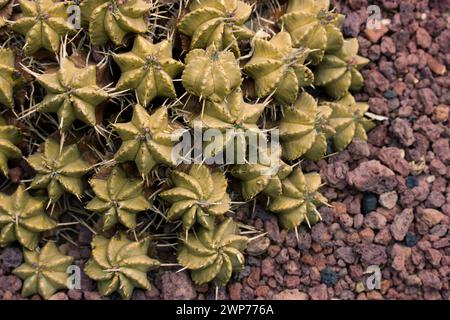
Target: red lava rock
375 82
394 159
372 254
383 237
433 256
334 174
283 256
345 253
430 216
319 292
234 290
440 113
319 233
435 199
254 277
291 281
388 46
399 256
92 295
59 296
268 267
292 267
262 291
375 34
372 176
388 199
401 224
437 167
436 66
402 130
273 251
367 235
258 246
15 174
273 230
291 294
423 38
430 279
75 294
378 105
10 283
359 149
177 286
442 150
11 257
374 295
375 220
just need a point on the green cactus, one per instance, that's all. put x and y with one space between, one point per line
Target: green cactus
119 199
72 93
10 77
9 137
147 140
6 8
278 68
118 264
338 72
312 25
44 272
264 176
213 255
149 69
22 219
348 121
198 196
211 74
298 200
304 129
59 169
218 22
43 23
236 119
114 19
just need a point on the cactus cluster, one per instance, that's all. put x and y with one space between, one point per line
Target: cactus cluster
100 114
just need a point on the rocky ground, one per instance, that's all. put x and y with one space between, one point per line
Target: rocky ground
390 195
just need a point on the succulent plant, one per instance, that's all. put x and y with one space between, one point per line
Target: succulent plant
149 69
59 169
44 272
235 118
43 23
198 196
213 255
10 78
218 22
72 93
312 25
119 199
348 121
338 71
147 140
304 129
114 19
278 68
22 219
210 73
118 264
298 200
6 8
263 176
9 137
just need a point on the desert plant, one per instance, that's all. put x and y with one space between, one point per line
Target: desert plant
44 272
59 169
9 137
119 264
6 8
10 77
213 254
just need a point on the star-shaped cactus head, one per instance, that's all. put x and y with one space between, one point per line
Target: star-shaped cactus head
279 69
298 200
213 255
338 72
44 272
72 93
197 196
118 199
218 22
43 23
23 219
211 74
147 140
313 25
10 77
9 137
59 169
149 69
112 20
119 264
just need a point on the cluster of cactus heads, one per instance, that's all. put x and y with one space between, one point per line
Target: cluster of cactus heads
101 111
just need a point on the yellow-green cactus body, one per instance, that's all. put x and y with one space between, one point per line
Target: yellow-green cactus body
312 25
304 129
213 255
9 137
263 176
118 264
149 69
22 219
147 139
211 74
236 119
58 169
347 119
298 200
9 77
338 71
218 22
43 23
114 19
44 272
278 68
119 199
197 196
72 93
